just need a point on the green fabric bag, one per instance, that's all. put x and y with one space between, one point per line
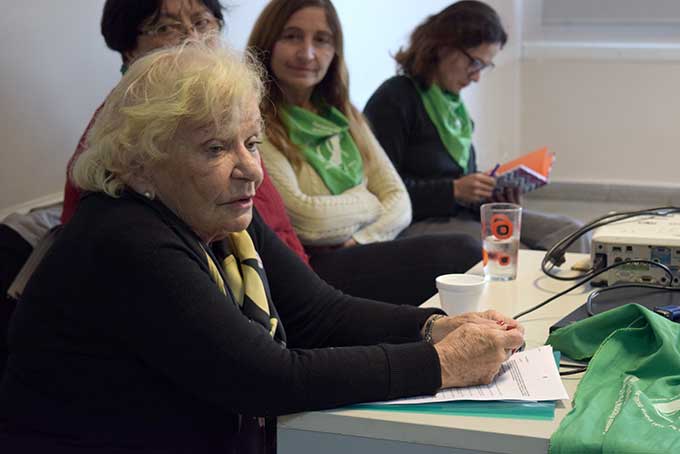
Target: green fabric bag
629 399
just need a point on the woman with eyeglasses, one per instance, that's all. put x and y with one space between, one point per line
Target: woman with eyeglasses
421 121
133 28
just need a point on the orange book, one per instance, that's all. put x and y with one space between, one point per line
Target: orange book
528 172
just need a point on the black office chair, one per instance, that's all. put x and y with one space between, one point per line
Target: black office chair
14 251
18 261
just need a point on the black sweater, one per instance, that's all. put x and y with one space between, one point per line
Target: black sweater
124 341
403 128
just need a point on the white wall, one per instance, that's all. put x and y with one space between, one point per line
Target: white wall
56 70
613 122
604 98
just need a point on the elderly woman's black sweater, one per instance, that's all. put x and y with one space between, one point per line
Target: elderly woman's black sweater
123 341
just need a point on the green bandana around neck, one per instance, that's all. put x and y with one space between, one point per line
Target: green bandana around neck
450 117
326 144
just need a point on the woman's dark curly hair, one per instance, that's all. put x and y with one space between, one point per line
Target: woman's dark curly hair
462 25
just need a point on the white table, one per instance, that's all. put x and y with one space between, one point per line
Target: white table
377 432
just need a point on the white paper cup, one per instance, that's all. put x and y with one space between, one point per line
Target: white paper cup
459 293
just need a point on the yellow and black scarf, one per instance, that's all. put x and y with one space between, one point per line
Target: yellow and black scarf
247 283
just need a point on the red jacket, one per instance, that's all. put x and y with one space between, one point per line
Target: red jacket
267 201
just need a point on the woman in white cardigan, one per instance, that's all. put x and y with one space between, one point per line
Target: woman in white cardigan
374 210
344 197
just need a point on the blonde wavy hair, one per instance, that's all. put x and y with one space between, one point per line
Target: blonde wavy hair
193 83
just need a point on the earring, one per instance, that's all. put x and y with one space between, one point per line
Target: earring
149 195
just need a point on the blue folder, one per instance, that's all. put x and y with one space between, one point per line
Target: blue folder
544 411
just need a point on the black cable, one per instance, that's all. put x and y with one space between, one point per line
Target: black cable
576 368
572 366
591 276
554 257
596 293
556 252
573 372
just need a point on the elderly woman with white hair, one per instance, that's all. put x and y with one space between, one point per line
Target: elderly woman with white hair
151 324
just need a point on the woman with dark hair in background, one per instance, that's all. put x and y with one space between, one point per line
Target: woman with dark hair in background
133 28
344 197
421 121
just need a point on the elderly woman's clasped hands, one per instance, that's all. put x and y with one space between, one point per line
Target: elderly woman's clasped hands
472 346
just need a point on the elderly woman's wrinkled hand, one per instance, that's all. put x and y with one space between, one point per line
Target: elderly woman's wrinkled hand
491 319
473 354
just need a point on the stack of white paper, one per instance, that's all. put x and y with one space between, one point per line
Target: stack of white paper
531 375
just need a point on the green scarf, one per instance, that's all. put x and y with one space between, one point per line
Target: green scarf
450 117
326 144
629 399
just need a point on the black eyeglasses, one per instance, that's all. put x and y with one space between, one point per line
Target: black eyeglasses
476 65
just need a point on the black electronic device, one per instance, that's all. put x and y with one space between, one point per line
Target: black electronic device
671 312
616 297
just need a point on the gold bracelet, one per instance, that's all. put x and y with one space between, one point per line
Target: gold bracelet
429 325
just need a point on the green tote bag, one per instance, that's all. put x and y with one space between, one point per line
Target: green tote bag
629 399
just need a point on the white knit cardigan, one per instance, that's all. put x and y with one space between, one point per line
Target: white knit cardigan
375 210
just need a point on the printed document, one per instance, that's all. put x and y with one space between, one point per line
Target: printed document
530 375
